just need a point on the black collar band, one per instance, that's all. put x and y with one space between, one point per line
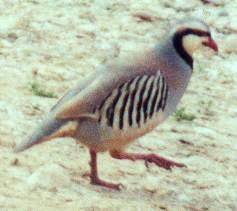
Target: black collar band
178 45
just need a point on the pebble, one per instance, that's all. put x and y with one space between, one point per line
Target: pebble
49 176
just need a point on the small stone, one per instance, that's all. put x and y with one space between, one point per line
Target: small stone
15 162
49 176
12 36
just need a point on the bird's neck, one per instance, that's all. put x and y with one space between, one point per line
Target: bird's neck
172 59
175 69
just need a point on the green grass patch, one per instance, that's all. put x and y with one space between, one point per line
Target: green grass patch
38 90
181 115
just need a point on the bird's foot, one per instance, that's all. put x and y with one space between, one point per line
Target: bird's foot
100 182
148 158
162 162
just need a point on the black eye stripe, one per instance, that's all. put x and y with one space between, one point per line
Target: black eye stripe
197 32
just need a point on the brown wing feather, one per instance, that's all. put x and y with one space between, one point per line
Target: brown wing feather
73 92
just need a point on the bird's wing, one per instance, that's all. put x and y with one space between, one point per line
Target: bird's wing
73 92
88 99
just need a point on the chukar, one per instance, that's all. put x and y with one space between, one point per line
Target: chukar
111 109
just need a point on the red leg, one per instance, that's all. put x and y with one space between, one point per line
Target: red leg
148 158
94 174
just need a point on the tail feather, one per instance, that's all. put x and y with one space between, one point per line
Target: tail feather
48 126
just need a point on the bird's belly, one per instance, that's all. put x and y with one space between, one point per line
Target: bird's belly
118 139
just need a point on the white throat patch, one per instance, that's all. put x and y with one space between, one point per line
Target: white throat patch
192 42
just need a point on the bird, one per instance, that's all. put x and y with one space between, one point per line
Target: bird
125 100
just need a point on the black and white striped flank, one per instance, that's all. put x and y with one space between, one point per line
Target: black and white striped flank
133 103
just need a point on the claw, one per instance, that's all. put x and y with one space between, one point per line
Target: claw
163 162
98 181
146 164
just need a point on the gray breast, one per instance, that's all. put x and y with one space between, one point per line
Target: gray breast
134 103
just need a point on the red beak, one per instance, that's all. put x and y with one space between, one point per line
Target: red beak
211 44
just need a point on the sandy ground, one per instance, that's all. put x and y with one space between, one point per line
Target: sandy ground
55 44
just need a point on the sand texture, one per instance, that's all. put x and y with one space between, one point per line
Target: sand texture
52 45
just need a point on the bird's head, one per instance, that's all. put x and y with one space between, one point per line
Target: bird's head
191 34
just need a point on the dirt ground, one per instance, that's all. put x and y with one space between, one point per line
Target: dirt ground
54 44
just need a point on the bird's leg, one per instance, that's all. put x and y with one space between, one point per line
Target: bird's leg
95 180
148 158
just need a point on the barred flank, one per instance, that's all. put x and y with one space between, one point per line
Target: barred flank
134 102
